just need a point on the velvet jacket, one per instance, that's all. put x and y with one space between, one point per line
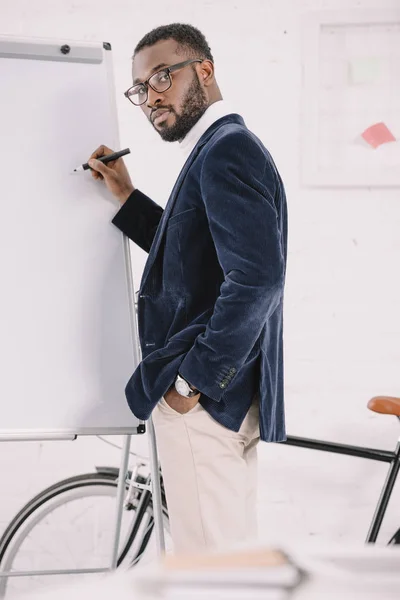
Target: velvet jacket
210 303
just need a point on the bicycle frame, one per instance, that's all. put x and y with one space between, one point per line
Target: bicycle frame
393 458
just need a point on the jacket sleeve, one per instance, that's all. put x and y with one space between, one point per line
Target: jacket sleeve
138 218
238 187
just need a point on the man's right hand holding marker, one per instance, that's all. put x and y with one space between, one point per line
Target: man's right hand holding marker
115 174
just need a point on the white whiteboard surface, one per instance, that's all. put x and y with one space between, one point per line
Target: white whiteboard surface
67 346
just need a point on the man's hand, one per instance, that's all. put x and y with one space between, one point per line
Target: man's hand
115 174
179 403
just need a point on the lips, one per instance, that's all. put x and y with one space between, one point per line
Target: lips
160 115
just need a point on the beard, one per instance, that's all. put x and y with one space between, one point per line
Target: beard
194 105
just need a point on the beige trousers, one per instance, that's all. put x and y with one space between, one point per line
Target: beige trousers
210 477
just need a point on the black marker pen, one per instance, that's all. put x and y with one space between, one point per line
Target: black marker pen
105 159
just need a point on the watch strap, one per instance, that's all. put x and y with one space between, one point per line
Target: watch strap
193 392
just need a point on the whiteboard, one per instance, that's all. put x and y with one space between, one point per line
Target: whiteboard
68 341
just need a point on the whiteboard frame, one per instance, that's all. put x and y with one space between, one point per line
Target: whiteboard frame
311 174
95 53
47 49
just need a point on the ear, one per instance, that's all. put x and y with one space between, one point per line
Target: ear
206 72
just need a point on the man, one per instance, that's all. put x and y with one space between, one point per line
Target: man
211 295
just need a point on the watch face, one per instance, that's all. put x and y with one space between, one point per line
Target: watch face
182 387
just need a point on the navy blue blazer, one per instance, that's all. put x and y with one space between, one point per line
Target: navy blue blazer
211 296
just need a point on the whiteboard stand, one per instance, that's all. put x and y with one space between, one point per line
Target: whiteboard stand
77 336
154 469
156 490
120 499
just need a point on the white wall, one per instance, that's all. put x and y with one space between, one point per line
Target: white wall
342 319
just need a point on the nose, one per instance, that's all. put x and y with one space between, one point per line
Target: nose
153 97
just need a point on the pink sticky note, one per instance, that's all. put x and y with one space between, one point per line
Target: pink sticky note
378 134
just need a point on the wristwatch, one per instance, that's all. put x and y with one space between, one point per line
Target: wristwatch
184 389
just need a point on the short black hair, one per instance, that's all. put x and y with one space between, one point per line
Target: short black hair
190 40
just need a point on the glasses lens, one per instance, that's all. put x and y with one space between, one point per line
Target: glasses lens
137 94
160 81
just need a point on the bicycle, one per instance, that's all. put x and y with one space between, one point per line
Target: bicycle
138 529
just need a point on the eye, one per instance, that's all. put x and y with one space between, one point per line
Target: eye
162 77
138 90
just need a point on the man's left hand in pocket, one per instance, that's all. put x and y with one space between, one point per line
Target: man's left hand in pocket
179 403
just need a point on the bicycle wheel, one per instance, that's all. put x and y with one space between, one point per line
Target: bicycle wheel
396 538
69 526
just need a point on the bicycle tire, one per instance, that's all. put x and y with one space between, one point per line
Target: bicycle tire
395 539
108 478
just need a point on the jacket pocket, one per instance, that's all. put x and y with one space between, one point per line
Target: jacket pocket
190 213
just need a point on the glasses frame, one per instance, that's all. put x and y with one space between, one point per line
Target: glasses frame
167 70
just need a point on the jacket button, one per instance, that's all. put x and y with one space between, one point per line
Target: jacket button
232 370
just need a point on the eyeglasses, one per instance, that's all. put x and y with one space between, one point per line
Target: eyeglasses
159 82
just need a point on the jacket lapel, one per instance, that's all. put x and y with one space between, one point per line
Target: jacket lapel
233 118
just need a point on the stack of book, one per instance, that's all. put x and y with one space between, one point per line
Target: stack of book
243 575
